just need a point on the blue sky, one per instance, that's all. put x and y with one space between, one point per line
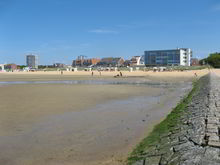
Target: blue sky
60 30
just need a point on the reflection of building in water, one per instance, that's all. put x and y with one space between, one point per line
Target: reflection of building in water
178 57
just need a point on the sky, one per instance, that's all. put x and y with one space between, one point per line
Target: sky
61 30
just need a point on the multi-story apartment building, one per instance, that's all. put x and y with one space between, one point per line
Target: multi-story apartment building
32 61
176 57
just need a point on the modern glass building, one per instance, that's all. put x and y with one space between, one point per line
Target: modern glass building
174 57
32 61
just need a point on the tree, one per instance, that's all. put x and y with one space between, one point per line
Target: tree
21 66
214 60
203 61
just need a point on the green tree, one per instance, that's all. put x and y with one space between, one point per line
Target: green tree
214 60
21 66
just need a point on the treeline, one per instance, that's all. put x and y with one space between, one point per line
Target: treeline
213 60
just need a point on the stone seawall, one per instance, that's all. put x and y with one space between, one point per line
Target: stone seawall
196 140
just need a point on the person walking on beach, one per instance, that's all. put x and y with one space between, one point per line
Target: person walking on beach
100 73
92 73
195 74
120 74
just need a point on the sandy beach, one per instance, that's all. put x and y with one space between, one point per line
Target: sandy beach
47 118
56 75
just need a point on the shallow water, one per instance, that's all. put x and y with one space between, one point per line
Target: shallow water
94 82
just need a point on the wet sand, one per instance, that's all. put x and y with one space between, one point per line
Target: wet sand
79 124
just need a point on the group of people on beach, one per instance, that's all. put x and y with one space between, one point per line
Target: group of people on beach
118 75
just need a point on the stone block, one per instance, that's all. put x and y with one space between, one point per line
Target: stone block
212 126
153 160
214 138
212 130
213 120
183 147
211 134
212 154
214 143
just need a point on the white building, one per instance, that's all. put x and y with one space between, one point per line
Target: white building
137 61
2 67
177 57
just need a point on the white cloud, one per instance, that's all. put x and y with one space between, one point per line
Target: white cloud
103 31
122 27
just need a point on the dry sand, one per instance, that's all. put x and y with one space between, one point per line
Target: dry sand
79 124
216 71
56 75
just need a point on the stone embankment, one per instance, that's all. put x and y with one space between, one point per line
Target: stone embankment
196 141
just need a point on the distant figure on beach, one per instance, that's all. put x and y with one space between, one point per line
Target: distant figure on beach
92 73
116 76
61 72
195 74
120 74
100 73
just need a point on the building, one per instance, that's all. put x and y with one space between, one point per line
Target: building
79 61
59 65
111 61
174 57
32 61
195 62
91 61
137 61
127 63
11 67
2 67
85 62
